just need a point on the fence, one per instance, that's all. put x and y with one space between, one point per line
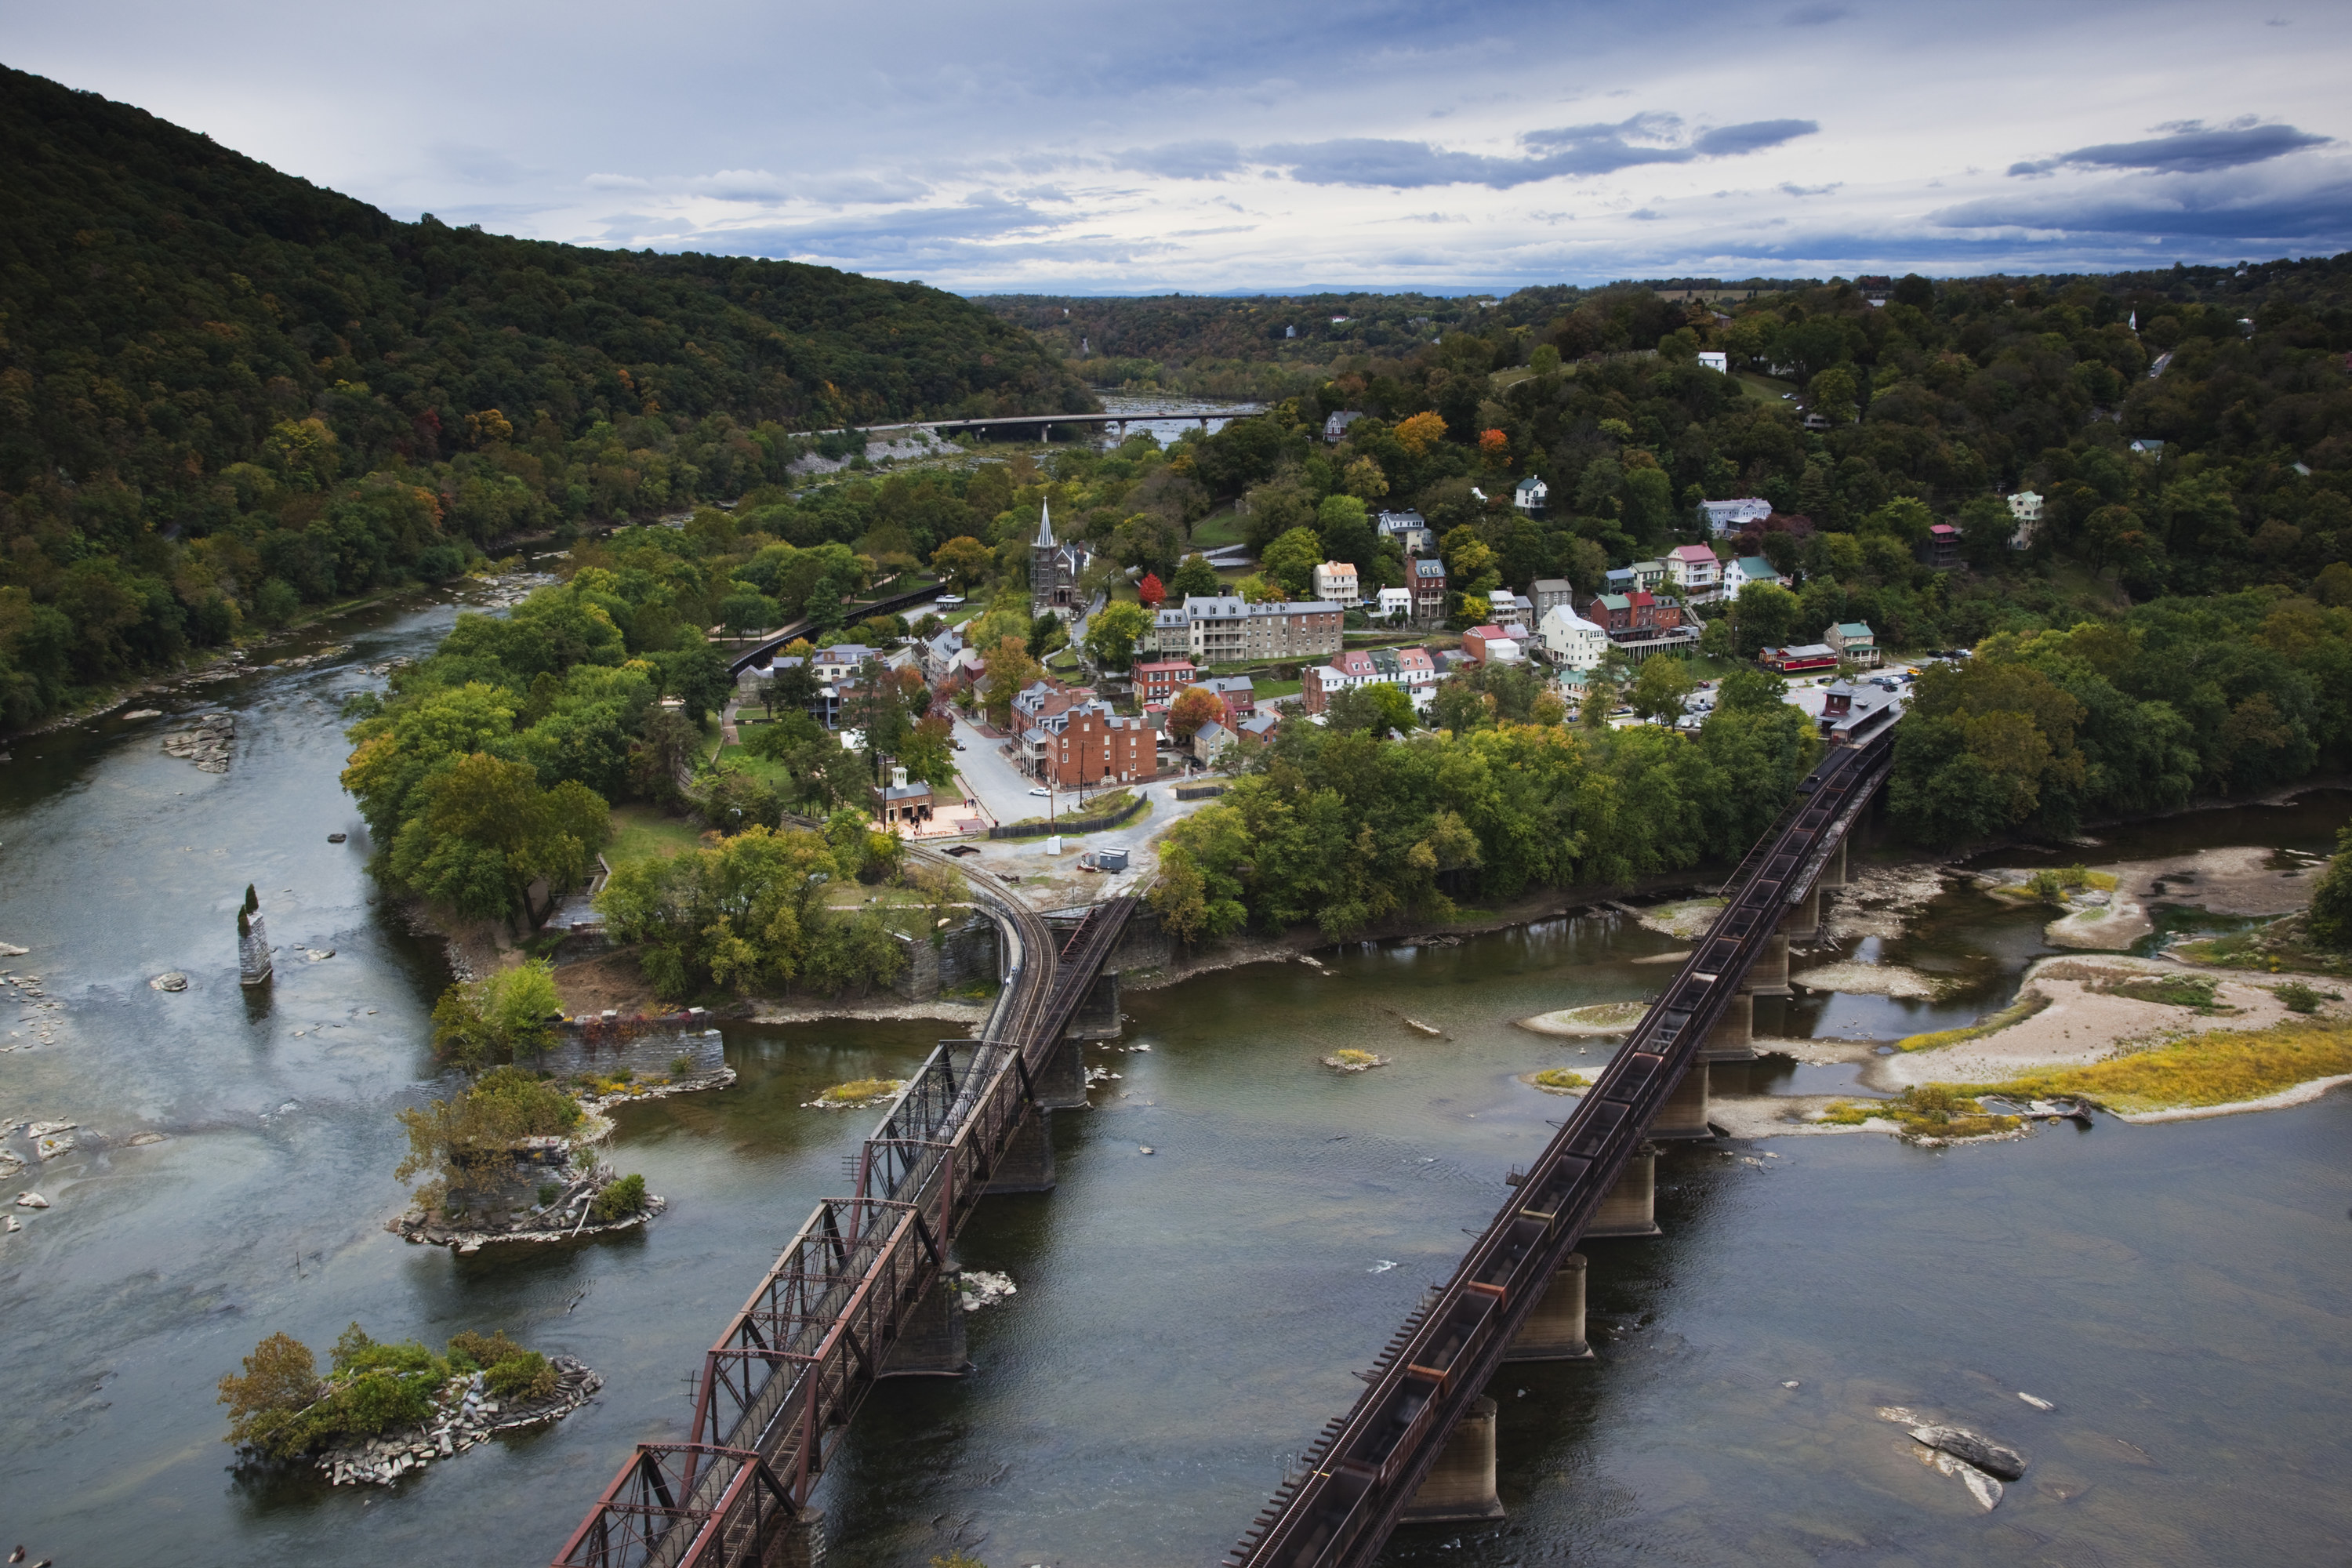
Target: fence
1075 823
1199 792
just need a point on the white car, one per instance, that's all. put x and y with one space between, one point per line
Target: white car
1048 794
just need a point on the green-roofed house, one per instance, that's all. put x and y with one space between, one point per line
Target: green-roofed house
1854 640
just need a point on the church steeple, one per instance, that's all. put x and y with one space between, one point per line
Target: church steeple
1044 539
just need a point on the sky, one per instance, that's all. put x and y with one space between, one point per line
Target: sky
1225 146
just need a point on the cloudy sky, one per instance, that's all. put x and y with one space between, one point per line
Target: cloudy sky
1231 145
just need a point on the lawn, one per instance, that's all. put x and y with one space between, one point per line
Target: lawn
1764 388
643 833
1217 528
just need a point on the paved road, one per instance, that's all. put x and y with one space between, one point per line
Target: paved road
991 778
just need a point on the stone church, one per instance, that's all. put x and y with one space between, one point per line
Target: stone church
1055 569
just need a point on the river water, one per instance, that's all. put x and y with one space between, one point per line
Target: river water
1185 1319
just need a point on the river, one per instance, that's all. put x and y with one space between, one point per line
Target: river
1185 1319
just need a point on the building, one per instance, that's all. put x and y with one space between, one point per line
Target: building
1731 516
1396 604
1571 641
1261 727
939 652
1635 617
901 804
1335 582
1335 425
1850 716
1943 547
1502 605
1411 667
1426 577
1694 569
1530 496
1799 660
1748 570
1226 629
1055 569
1487 645
2025 506
1716 360
1854 640
839 662
1237 692
1087 744
1162 679
2150 448
1548 594
1209 741
1640 577
1409 529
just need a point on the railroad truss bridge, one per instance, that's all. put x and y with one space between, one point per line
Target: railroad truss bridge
861 1291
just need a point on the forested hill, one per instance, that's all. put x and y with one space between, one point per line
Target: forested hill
196 351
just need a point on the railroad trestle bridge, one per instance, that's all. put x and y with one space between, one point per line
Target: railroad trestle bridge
861 1292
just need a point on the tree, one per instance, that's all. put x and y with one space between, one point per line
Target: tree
1765 616
1193 707
505 1015
962 561
1831 394
1291 559
487 1118
1150 592
1195 578
2330 921
1113 632
1011 670
1418 434
668 748
487 831
1379 709
280 1380
1660 688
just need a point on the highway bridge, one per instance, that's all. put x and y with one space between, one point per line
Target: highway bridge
861 1292
1018 423
1418 1444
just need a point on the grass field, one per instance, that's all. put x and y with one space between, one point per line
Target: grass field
2225 1067
1218 528
1764 388
642 833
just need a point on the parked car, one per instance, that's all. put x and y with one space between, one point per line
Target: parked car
1042 790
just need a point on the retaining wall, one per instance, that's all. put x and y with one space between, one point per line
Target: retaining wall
967 954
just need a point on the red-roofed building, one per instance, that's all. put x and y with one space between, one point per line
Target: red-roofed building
1943 547
1162 680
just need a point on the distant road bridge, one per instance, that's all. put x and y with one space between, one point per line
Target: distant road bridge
1420 1444
1009 424
861 1292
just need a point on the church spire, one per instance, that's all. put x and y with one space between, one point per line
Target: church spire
1044 539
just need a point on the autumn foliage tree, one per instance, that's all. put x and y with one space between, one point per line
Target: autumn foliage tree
1193 707
1151 592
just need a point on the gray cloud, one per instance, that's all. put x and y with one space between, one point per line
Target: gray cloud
1565 151
1182 159
2192 147
2203 206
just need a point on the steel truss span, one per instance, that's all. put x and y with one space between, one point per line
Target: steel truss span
778 1389
1356 1479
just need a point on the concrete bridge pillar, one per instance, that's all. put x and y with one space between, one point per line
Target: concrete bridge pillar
1771 975
1834 869
1683 1115
1555 1330
1804 921
1061 1083
1631 1207
1461 1486
930 1342
1028 1162
1732 1036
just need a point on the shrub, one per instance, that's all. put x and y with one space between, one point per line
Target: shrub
524 1376
2298 997
1560 1078
470 1351
681 1066
622 1198
280 1380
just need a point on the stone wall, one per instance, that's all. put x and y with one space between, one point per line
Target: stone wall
646 1054
967 955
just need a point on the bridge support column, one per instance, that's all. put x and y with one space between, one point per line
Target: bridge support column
1683 1115
1028 1162
1732 1037
1061 1083
930 1342
1555 1330
1771 975
1804 921
1631 1207
1834 869
1461 1486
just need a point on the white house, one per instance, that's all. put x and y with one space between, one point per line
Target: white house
1573 642
1531 495
2026 508
1694 569
1731 516
1396 604
1335 580
1716 360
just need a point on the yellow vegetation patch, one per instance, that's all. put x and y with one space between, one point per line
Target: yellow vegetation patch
2224 1068
859 1091
2017 1012
1560 1079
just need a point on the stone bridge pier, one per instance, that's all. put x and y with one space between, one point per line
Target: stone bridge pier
1060 1084
1733 1037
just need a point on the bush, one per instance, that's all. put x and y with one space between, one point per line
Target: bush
280 1381
622 1198
681 1066
525 1376
470 1351
2298 997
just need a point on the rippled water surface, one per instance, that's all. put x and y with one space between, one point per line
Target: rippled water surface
1185 1319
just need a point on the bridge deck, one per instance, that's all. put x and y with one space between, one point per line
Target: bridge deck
1363 1470
779 1386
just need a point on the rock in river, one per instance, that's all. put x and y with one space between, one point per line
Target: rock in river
1983 1452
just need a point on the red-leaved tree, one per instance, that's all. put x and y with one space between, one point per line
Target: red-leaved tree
1150 591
